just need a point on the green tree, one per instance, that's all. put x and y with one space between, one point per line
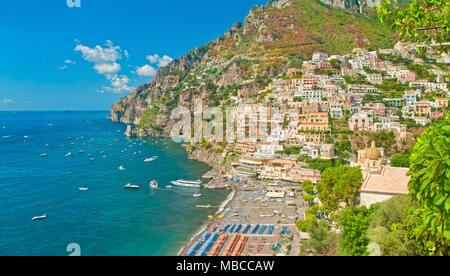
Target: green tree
430 188
340 184
422 21
308 187
401 161
354 223
391 227
321 241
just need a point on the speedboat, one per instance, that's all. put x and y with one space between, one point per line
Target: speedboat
129 186
40 217
187 183
154 184
197 195
68 154
121 168
151 159
169 187
44 155
83 189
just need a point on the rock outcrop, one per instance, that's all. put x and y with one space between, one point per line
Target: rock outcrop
352 4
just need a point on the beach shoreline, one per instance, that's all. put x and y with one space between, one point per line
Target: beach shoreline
225 205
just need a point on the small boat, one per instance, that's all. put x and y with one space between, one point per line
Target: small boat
81 152
129 186
40 217
169 187
197 195
154 184
44 155
187 183
83 189
151 159
121 168
68 154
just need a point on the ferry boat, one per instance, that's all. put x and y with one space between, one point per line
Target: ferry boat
187 183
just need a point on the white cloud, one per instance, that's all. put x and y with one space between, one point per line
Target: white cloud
107 69
98 54
146 71
68 61
119 84
160 61
105 63
64 67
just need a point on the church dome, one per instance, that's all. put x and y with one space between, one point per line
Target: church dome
373 153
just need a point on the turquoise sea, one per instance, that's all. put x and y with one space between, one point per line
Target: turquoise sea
107 219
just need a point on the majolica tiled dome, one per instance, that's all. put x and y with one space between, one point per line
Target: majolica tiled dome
373 153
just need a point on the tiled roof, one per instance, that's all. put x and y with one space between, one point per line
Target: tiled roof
392 181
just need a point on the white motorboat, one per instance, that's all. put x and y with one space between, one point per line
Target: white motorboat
83 189
129 186
44 155
152 159
187 183
39 217
154 184
169 187
121 168
68 154
197 195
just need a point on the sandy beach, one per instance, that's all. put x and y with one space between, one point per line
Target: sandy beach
249 205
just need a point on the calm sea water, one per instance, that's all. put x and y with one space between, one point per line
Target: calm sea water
107 219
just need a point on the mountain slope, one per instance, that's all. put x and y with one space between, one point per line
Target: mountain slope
273 38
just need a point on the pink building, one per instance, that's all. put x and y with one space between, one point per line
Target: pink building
423 109
302 175
379 108
362 121
410 77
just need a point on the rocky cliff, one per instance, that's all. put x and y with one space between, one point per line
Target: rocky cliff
241 62
352 4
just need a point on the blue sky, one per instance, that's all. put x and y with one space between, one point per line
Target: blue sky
53 57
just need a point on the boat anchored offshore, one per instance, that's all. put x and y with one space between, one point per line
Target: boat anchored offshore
40 217
83 189
148 160
129 186
197 195
154 184
187 183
